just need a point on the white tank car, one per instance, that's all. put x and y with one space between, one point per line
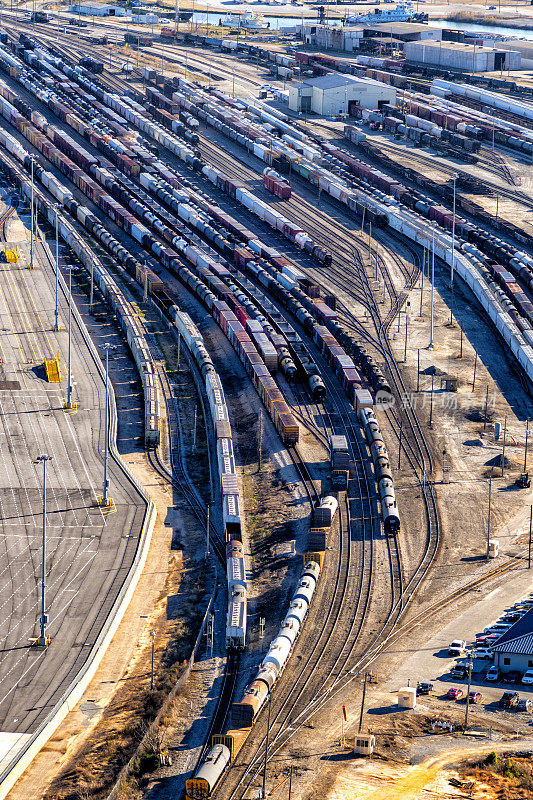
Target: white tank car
389 508
290 629
306 588
297 610
312 568
278 653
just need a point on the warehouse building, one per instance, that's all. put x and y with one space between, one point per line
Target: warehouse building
467 57
404 31
97 10
350 37
514 650
522 46
333 94
332 37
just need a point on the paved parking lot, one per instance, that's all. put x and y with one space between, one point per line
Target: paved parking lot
431 661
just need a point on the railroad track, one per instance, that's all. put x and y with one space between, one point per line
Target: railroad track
518 197
4 219
178 475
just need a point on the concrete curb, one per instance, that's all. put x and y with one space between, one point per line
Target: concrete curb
13 771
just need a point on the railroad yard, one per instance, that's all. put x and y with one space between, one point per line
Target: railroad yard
282 358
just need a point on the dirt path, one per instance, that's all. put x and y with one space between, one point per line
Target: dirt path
375 780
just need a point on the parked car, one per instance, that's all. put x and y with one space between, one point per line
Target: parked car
457 647
497 628
424 688
485 640
524 704
475 697
512 617
454 694
509 700
493 673
459 671
513 676
482 652
527 677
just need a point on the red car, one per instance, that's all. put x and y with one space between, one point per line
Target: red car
475 697
454 694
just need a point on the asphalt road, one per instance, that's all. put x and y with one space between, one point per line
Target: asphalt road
89 549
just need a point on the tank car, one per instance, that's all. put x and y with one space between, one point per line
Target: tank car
202 785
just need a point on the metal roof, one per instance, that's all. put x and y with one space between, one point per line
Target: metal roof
519 637
333 81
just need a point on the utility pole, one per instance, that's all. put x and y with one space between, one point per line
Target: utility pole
362 704
290 783
194 430
43 641
266 745
474 378
431 402
488 519
207 531
503 448
418 370
525 448
529 540
486 408
179 353
468 691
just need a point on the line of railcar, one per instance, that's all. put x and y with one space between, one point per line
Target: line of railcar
236 619
126 315
276 406
333 187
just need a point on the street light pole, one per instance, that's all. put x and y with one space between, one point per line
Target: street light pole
488 519
69 383
57 326
431 321
31 220
453 248
105 500
42 640
468 691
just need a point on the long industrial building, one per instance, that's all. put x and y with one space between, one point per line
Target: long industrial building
333 94
468 57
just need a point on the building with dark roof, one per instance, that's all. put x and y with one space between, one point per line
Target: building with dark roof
514 649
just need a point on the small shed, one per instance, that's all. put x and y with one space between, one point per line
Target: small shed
407 697
364 744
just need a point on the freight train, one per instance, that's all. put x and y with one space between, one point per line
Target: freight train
231 506
244 713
